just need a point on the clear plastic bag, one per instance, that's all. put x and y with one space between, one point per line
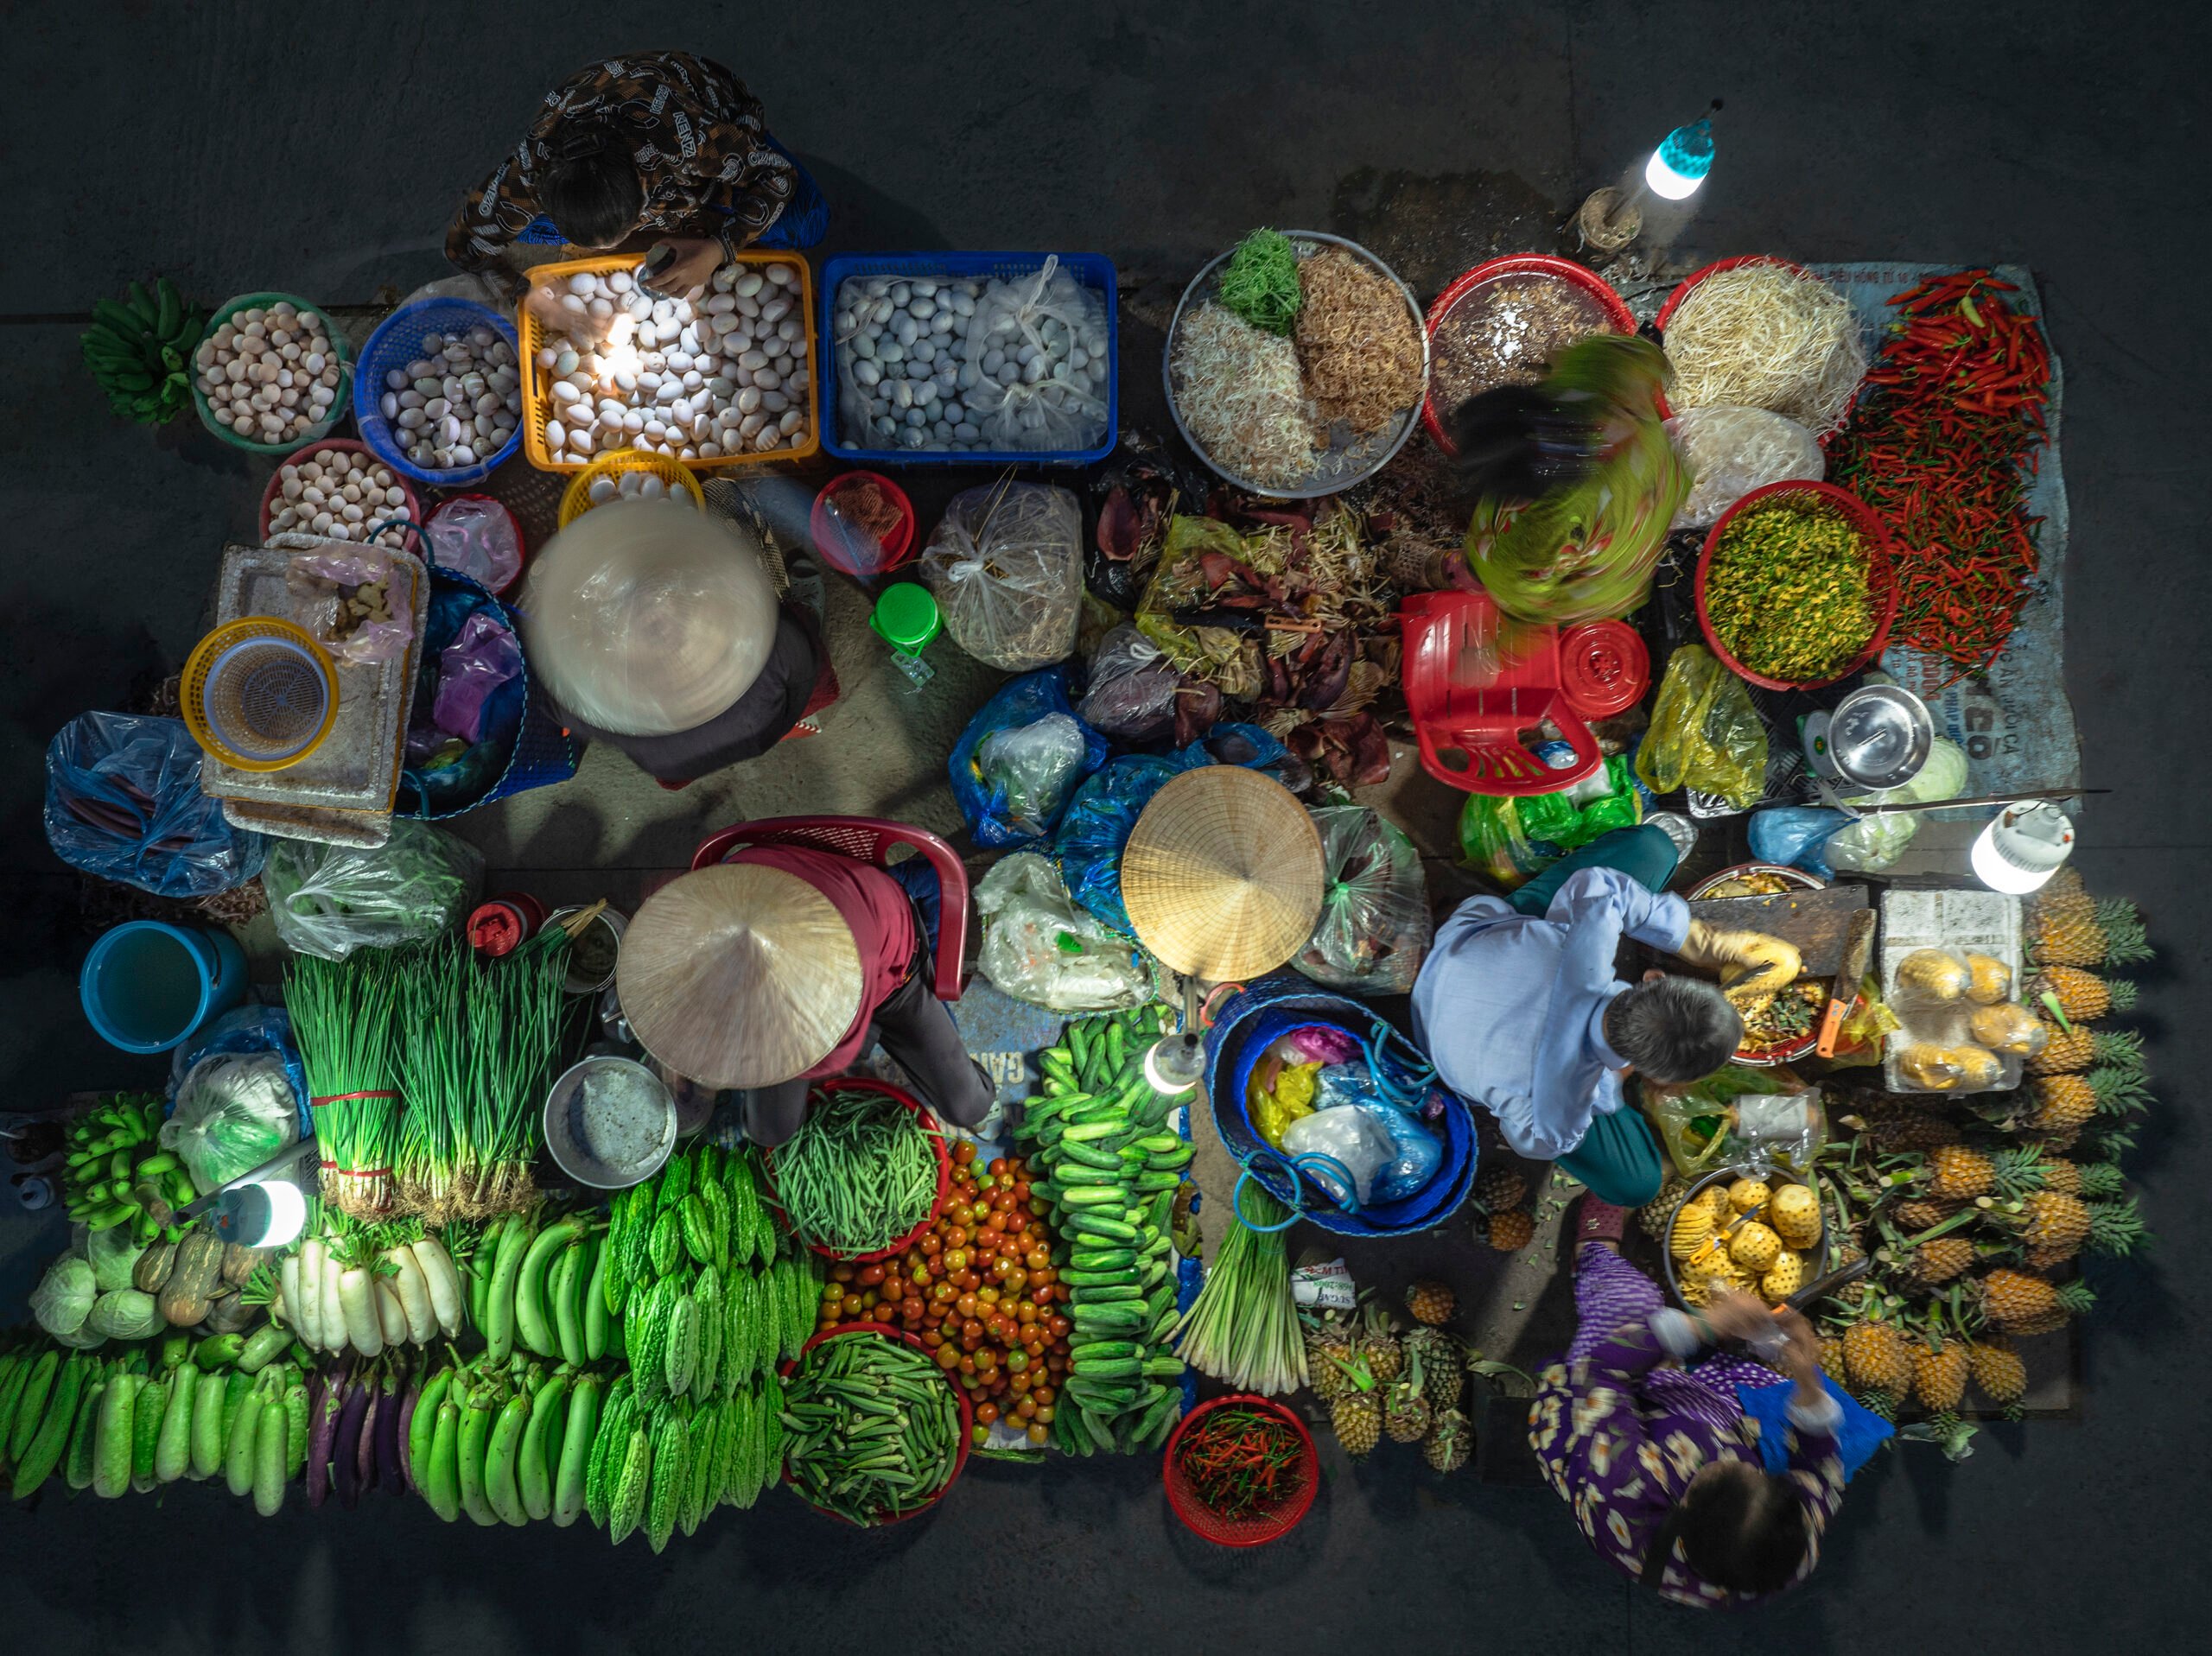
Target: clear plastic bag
1354 1142
1006 566
1416 1153
1705 734
1732 451
1132 688
123 802
233 1112
1040 948
1046 331
328 593
473 535
1030 768
1018 759
329 900
1374 926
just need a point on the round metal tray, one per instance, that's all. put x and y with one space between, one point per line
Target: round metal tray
1349 458
1820 1250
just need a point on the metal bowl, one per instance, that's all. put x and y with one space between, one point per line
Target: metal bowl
1729 1176
610 1143
1878 738
1349 458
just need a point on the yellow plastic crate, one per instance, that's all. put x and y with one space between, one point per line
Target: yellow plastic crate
538 398
575 499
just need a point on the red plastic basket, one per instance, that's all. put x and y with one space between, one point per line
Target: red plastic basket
1253 1529
414 507
898 546
1581 275
1881 576
959 1398
1682 291
866 1084
1472 699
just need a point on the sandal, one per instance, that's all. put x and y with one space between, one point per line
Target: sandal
1598 1221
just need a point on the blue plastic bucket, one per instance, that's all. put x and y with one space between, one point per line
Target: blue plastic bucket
147 986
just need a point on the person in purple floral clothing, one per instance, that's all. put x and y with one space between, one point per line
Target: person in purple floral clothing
1657 1460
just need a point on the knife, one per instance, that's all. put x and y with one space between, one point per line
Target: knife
1858 950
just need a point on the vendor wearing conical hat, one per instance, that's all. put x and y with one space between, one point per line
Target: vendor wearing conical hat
773 969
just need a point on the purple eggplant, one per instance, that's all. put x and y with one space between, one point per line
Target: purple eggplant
346 1453
391 1426
323 1404
404 1423
364 1452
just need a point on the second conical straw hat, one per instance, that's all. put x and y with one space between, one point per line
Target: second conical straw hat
1222 874
738 975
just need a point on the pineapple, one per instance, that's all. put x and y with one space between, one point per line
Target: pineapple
2115 1228
1407 1416
1961 1173
1754 1247
1356 1418
2061 1175
1940 1260
2068 1051
1748 1196
1501 1189
1379 1345
2073 929
2083 996
1511 1231
1444 1375
1431 1303
1924 1213
2017 1303
1875 1356
1449 1442
1909 1129
1657 1214
1783 1277
1832 1363
1691 1230
1795 1213
1329 1352
2057 1224
1998 1372
2063 1105
1939 1374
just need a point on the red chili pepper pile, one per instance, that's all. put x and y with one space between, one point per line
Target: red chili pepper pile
1943 445
1242 1462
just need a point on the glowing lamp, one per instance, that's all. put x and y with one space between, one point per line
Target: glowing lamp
2023 847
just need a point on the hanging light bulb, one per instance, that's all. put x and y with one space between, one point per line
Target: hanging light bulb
1679 165
1175 1064
2022 848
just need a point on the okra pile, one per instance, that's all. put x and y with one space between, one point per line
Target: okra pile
1112 1165
872 1429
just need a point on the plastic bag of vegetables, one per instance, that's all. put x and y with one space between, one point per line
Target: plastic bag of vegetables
1006 565
65 1296
332 899
1704 733
1374 926
233 1112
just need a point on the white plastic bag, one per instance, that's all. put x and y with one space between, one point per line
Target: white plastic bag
1038 348
1030 767
1006 566
323 588
1040 948
1354 1142
1732 451
234 1111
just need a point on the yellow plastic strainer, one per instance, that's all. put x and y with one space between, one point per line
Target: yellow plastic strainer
259 694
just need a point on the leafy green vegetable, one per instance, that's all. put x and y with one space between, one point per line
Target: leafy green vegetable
1260 281
63 1297
125 1314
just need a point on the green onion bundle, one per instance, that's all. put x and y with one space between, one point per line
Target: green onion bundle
1242 1328
343 1017
433 1028
858 1173
513 1031
872 1428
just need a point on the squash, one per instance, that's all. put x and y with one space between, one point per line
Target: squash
153 1267
230 1314
193 1279
238 1264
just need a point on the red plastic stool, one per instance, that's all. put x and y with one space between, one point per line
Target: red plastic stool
1472 699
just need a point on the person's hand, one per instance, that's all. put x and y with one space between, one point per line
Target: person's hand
1734 1314
1801 1357
697 259
1769 961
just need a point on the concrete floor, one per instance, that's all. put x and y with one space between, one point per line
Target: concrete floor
192 142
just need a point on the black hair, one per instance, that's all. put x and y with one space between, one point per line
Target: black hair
1673 1029
1521 442
1742 1529
592 195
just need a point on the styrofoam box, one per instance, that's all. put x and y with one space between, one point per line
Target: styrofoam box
1966 918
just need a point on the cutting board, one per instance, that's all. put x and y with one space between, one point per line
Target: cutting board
1816 922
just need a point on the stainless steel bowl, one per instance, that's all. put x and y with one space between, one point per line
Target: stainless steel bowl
1349 458
1878 737
609 1123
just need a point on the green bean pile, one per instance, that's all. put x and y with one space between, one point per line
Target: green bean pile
872 1429
858 1173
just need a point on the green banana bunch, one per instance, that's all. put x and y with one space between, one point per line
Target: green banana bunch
140 352
117 1173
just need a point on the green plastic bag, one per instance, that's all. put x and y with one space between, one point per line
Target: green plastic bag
1492 839
1514 839
1705 734
1570 827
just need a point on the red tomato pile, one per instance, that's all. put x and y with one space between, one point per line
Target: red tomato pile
980 1289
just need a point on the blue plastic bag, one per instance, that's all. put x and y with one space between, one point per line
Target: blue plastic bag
1002 810
1793 835
123 802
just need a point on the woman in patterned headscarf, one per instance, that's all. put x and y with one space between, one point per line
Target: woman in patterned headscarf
659 143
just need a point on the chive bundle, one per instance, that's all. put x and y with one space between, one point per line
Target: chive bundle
1242 1328
343 1017
858 1173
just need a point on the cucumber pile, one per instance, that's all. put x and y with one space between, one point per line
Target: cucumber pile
139 352
1112 1165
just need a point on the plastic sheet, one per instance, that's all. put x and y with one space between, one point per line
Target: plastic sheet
1732 451
1374 926
1020 758
321 586
329 900
1006 566
476 535
1705 734
123 802
1040 948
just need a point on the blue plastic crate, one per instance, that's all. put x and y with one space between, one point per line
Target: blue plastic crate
398 341
1093 271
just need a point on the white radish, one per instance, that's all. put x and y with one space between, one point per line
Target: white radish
333 1306
391 1315
414 1294
443 1281
287 1292
357 1299
307 1294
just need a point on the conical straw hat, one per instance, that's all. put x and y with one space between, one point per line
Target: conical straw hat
738 975
1223 874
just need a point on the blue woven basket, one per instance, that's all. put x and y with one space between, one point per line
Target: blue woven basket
1093 271
1242 1032
544 752
398 341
